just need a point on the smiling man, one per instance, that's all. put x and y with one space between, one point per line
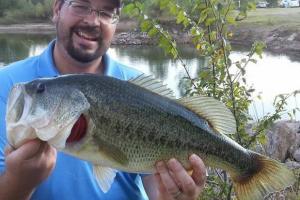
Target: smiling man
85 29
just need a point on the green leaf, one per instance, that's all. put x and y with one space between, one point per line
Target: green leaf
146 25
262 138
180 17
230 20
163 4
128 9
153 32
244 80
139 5
203 17
213 35
209 21
194 31
238 65
173 9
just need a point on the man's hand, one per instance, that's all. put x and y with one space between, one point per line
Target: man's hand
173 182
26 168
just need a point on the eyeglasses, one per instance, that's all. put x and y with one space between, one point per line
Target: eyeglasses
83 10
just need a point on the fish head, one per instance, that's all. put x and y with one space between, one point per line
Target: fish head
44 108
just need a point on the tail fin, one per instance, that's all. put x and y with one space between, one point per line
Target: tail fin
269 176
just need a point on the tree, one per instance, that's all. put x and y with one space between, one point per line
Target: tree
208 22
5 5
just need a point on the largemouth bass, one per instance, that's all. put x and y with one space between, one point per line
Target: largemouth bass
130 125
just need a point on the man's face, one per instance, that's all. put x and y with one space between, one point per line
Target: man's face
83 38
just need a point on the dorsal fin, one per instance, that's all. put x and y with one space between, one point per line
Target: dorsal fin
152 84
216 113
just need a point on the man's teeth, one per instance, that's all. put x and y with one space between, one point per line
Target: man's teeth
81 34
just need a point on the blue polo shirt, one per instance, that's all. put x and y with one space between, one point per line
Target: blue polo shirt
71 178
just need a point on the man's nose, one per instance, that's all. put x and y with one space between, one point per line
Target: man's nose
93 18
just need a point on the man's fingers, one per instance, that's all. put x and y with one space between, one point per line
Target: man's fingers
8 150
27 150
199 170
45 158
47 152
161 185
183 179
166 179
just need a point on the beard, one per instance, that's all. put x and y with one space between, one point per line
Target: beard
80 53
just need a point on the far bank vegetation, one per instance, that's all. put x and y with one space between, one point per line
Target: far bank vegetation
20 11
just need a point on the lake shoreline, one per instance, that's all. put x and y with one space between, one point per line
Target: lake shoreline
279 40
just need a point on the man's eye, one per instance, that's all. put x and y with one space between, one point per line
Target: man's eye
106 14
80 8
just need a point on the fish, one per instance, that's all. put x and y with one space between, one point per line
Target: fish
131 125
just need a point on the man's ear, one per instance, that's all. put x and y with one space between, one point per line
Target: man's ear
56 9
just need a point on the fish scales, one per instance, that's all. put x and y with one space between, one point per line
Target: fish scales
150 119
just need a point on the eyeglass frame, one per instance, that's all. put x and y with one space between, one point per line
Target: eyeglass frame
115 16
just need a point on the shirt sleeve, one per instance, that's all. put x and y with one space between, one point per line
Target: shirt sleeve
2 135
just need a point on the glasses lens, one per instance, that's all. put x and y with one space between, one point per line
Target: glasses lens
107 17
79 9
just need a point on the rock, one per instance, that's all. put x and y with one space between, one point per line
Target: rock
292 37
133 38
296 155
282 137
292 165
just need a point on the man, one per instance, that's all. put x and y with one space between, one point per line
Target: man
35 170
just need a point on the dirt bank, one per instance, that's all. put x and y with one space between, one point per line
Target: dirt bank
280 39
27 29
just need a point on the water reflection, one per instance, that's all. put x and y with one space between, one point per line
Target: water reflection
152 60
17 47
271 75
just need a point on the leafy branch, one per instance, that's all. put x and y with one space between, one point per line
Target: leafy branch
208 23
153 29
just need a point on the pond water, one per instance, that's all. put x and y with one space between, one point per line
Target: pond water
272 75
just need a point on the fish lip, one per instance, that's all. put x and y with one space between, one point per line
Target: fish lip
14 121
17 94
14 96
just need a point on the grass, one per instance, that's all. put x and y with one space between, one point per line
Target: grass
273 17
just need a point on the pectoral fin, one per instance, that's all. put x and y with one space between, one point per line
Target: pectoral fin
105 177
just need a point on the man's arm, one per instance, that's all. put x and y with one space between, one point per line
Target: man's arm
26 168
173 182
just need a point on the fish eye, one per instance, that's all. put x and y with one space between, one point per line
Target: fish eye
40 87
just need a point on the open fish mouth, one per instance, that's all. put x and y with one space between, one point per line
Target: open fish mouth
71 132
22 123
27 120
79 130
